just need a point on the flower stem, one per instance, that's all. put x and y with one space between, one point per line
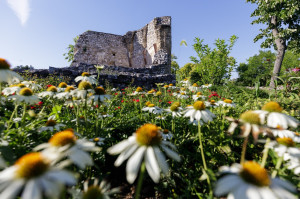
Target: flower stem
203 158
244 149
9 125
278 164
140 181
265 155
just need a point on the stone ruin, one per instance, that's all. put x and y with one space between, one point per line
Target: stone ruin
139 58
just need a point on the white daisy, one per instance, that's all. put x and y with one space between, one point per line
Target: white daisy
250 122
98 140
7 75
84 88
51 91
66 94
62 86
206 85
275 118
94 191
138 91
51 125
211 103
32 85
285 147
13 89
185 82
227 103
25 96
144 145
152 109
166 134
251 181
198 112
65 143
182 95
175 109
35 176
195 88
87 77
99 95
198 96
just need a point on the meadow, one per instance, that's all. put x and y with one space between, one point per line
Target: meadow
174 141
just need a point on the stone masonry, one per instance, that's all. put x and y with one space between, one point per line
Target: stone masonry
136 49
139 58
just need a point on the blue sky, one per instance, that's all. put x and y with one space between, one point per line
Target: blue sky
37 32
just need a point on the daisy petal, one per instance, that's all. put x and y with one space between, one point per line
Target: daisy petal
152 165
133 164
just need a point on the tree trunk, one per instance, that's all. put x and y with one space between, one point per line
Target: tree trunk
281 47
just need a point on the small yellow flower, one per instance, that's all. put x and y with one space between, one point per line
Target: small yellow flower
84 85
62 85
52 89
254 174
286 141
272 107
4 65
229 101
86 74
26 92
139 89
199 105
148 134
63 138
31 165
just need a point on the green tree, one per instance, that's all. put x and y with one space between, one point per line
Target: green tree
185 70
258 68
213 65
291 60
70 54
282 20
174 64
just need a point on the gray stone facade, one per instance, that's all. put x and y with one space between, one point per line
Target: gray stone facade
136 49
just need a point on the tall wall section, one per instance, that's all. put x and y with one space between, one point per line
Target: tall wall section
148 46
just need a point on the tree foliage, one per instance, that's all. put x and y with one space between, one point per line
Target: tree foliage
70 54
174 64
258 68
213 65
287 14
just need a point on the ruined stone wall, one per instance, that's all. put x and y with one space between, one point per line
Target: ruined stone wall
136 49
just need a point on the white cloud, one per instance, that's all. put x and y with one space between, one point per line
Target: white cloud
21 9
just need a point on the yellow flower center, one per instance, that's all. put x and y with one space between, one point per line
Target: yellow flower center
151 105
212 102
176 103
185 79
4 65
206 84
250 117
229 101
96 139
31 165
174 108
26 92
84 85
183 89
297 134
159 93
52 89
69 88
170 84
63 138
51 123
62 85
86 74
182 93
195 85
254 174
165 131
99 90
166 86
150 92
289 142
199 93
148 135
139 89
199 105
272 107
147 103
93 192
21 85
